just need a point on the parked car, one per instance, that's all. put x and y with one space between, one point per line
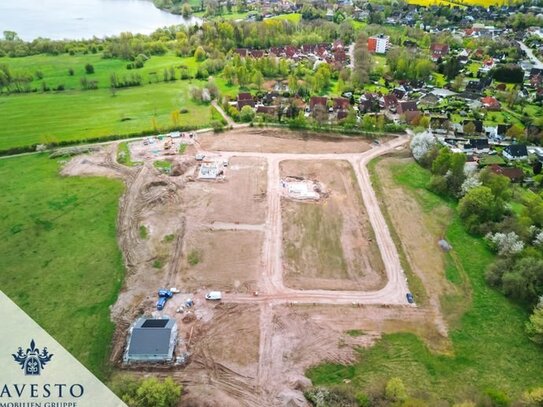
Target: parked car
214 296
410 298
163 293
161 303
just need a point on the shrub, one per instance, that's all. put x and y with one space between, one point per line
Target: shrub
217 126
395 390
144 233
89 69
247 114
150 392
194 257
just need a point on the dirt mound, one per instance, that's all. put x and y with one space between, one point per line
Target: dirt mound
179 169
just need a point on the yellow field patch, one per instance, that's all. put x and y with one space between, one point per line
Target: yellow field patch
483 3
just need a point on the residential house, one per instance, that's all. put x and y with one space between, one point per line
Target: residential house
477 145
404 107
514 174
515 152
412 117
490 103
151 340
439 51
318 100
390 102
477 125
245 99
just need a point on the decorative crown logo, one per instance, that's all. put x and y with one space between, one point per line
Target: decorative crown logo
32 361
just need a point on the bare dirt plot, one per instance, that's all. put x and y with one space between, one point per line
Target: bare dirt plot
241 198
227 260
281 141
224 358
329 244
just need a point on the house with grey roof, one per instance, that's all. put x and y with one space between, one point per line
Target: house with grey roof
151 340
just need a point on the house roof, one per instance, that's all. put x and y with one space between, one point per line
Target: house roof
517 150
390 100
439 48
477 123
318 100
514 174
407 107
341 103
477 143
490 101
412 115
151 337
245 96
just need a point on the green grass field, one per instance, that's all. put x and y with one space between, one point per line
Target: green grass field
78 115
490 348
60 261
55 68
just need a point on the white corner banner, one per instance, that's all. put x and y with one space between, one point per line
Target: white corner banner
36 371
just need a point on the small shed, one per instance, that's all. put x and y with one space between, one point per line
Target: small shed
151 340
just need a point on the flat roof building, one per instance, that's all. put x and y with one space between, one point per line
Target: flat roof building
151 340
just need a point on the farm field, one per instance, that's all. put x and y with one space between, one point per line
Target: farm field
456 3
60 261
74 114
471 367
79 115
55 68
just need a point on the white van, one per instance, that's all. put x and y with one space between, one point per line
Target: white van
214 296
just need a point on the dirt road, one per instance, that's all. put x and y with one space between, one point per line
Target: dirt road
281 325
272 289
273 388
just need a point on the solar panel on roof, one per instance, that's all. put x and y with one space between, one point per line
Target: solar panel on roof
155 323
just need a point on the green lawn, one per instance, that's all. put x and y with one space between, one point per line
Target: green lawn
78 115
490 349
59 257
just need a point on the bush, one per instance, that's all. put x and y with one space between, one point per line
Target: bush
498 398
89 69
247 114
194 257
150 392
533 398
395 390
217 126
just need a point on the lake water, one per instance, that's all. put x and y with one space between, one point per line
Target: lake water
76 19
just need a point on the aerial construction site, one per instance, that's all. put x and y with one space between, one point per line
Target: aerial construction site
286 233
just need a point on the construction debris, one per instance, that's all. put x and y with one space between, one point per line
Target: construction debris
302 189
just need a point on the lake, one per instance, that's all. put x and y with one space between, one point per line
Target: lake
77 19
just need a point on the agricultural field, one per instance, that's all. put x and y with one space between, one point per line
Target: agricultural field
470 367
456 3
79 115
60 261
75 114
